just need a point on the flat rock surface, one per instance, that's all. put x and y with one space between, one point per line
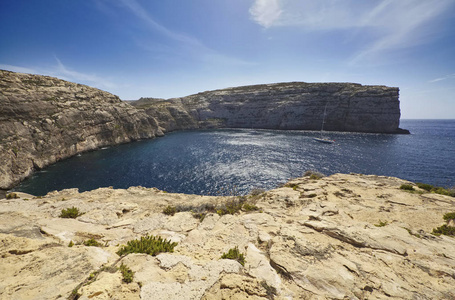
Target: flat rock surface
311 239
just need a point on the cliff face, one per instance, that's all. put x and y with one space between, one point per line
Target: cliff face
295 105
45 119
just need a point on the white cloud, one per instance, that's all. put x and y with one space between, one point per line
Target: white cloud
64 73
189 44
393 24
18 69
266 12
450 76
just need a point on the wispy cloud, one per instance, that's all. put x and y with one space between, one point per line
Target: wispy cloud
63 72
395 24
18 69
450 76
187 44
266 12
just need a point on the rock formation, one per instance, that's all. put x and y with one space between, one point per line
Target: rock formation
295 105
45 119
339 237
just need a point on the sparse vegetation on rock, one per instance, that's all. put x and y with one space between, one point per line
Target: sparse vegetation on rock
148 244
314 175
407 187
92 242
70 213
446 229
127 273
12 196
234 254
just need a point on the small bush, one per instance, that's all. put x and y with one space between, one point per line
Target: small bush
256 192
231 207
444 229
407 187
71 244
170 210
148 244
92 242
381 224
424 186
314 175
249 207
234 254
443 191
12 196
127 273
70 213
449 216
436 189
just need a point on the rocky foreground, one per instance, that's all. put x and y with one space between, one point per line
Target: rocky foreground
339 237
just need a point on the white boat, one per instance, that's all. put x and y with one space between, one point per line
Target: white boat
323 139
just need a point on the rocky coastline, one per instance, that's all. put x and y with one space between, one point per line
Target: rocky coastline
337 237
349 107
45 119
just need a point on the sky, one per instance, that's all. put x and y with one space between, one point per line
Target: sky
174 48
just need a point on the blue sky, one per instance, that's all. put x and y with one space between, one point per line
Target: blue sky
173 48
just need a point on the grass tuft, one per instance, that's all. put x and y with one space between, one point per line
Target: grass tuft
381 224
127 273
234 254
407 187
148 244
92 243
170 210
70 213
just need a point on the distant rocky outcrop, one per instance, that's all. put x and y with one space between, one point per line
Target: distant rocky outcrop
339 237
45 119
294 105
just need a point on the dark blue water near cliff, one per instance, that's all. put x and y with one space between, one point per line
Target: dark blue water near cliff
205 162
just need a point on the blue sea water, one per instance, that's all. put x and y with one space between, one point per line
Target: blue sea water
209 162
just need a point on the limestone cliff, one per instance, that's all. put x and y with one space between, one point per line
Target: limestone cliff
45 119
339 237
295 105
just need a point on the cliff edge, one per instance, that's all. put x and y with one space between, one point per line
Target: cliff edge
295 105
45 119
338 237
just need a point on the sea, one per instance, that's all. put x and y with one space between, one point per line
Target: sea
235 161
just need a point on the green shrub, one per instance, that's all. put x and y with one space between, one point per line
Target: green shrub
249 207
407 187
437 189
443 191
444 229
424 186
71 244
92 242
170 210
231 207
127 273
449 216
234 254
12 196
70 213
314 175
148 244
381 224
